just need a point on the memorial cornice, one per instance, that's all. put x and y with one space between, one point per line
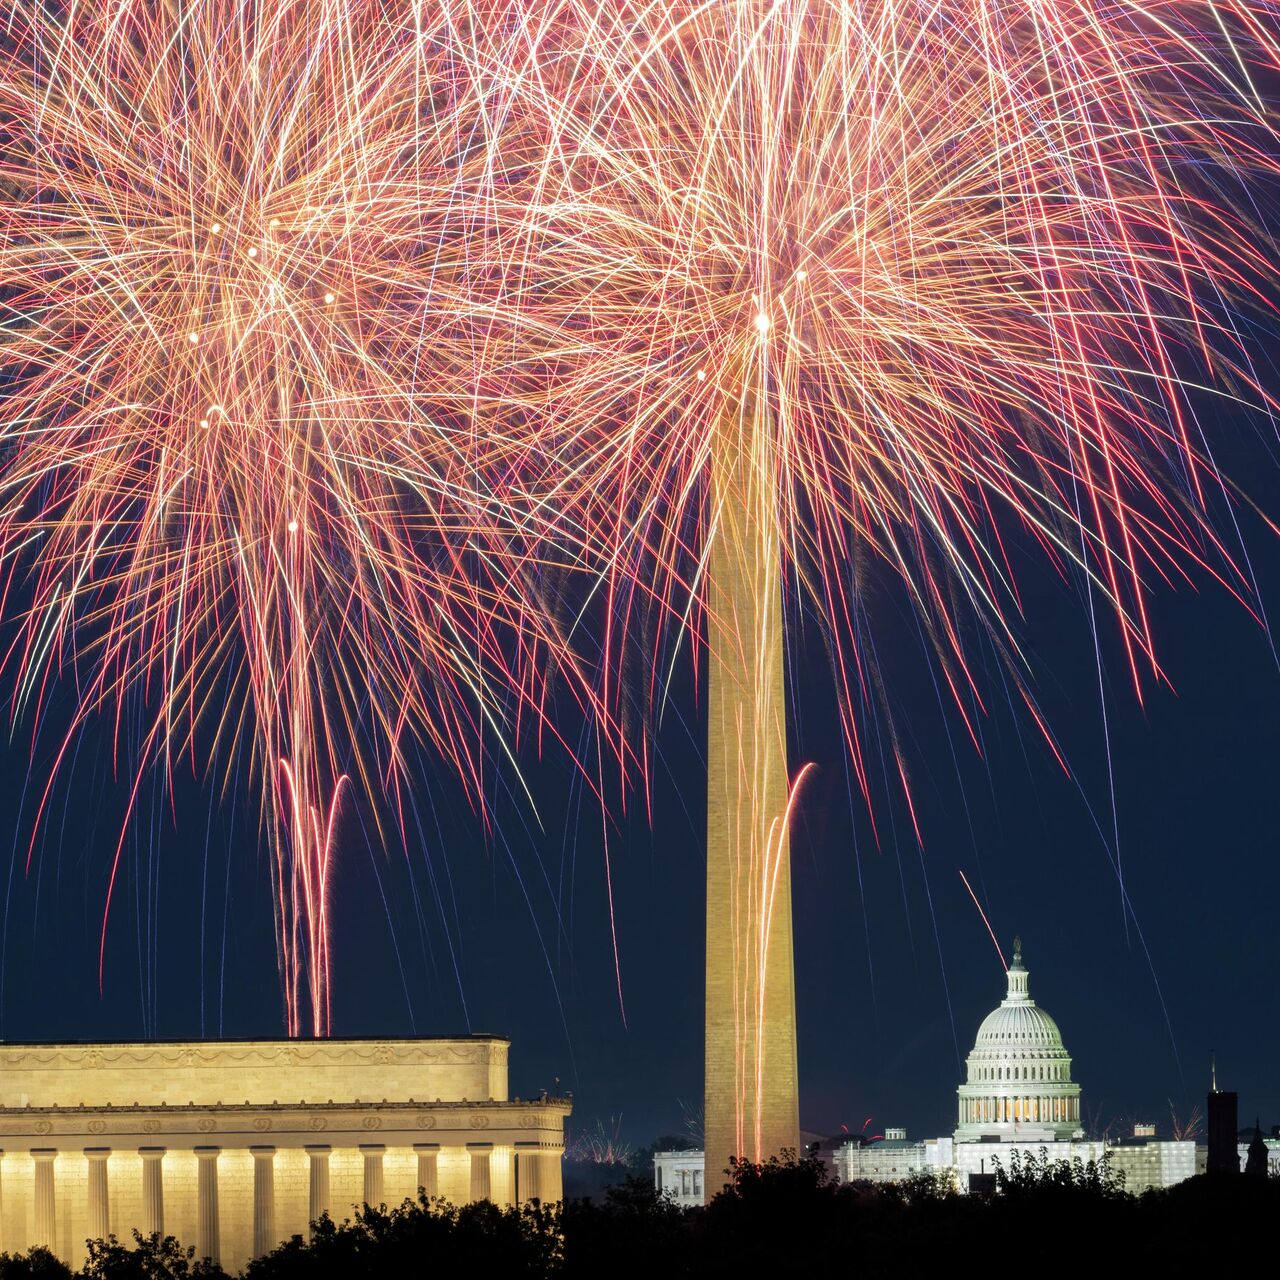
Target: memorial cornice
451 1051
294 1124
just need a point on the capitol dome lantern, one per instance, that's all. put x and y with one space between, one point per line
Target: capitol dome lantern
1019 1085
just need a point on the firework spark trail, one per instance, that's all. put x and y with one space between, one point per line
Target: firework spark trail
245 443
995 942
958 274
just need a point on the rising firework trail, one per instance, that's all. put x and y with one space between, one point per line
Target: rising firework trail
833 292
246 472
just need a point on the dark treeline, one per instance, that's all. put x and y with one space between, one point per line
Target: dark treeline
786 1218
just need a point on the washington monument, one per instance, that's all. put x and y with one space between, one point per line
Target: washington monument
751 1098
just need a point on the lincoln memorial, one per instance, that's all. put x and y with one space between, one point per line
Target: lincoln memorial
233 1146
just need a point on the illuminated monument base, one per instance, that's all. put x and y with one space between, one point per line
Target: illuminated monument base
234 1146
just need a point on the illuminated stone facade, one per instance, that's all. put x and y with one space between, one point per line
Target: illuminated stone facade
891 1159
233 1146
1149 1162
678 1176
751 1089
1019 1086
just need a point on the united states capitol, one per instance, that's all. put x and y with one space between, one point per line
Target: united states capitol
1018 1097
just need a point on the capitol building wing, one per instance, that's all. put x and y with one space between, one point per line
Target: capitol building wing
1019 1085
234 1146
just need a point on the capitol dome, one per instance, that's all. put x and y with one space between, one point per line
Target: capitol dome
1019 1073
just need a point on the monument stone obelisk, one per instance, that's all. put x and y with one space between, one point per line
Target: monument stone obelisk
751 1088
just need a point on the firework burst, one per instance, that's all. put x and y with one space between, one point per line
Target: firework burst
975 259
239 324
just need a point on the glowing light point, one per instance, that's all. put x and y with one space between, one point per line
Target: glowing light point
193 338
275 222
802 274
216 228
293 526
328 297
253 251
701 375
204 422
762 322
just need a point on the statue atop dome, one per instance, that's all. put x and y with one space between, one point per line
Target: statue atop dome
1017 975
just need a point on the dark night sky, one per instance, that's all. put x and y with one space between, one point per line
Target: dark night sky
892 981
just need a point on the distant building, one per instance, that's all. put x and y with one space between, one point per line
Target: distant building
678 1176
1018 1095
1257 1157
1222 1122
1019 1087
1150 1162
890 1159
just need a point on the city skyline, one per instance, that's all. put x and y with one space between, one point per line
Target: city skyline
524 556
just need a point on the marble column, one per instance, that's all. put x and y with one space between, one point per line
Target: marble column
264 1200
528 1172
152 1190
551 1177
99 1200
318 1198
373 1153
208 1244
480 1182
428 1178
45 1213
